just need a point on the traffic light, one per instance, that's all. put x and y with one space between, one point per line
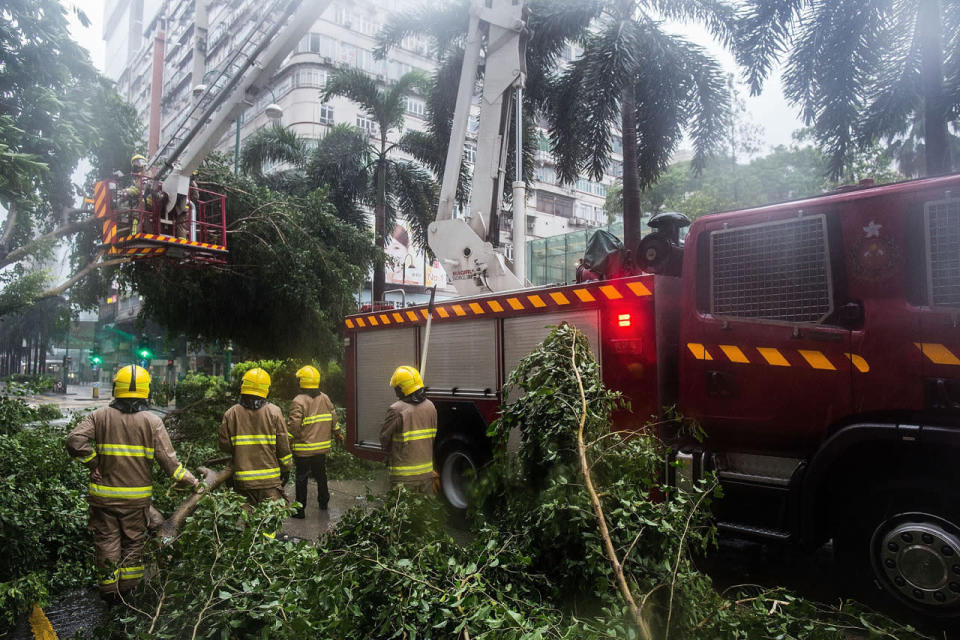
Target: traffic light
95 359
145 353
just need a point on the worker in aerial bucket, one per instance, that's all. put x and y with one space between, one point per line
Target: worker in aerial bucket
408 432
253 432
312 425
128 438
133 198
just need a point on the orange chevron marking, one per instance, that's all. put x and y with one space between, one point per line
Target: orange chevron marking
384 319
638 288
611 292
397 317
494 306
442 312
412 315
349 323
360 322
584 295
476 308
457 309
536 301
559 298
515 303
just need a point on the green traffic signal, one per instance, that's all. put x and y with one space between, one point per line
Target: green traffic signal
96 359
145 354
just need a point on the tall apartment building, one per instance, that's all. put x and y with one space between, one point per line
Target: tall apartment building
198 35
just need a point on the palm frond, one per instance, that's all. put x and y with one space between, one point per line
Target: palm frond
444 23
718 16
763 33
414 195
894 96
357 85
707 109
837 52
271 144
341 163
551 26
393 101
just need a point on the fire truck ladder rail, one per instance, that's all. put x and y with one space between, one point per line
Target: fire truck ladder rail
265 25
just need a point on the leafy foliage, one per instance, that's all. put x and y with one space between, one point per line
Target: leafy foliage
292 270
43 514
860 71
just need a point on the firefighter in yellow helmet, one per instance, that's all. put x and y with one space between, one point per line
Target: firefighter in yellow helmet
312 425
408 431
128 439
134 198
254 433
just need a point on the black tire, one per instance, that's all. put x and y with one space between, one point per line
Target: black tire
459 461
900 550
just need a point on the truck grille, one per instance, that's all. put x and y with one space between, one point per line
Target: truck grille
943 252
772 271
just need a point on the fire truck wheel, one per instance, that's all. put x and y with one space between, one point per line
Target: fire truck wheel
909 548
459 461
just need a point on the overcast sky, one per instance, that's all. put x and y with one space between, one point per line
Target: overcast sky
768 110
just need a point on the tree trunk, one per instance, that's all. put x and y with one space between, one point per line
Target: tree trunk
379 228
631 172
931 81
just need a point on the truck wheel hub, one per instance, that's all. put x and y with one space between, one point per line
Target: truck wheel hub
918 557
458 469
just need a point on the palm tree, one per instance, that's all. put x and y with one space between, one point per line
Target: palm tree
398 185
861 70
632 76
653 87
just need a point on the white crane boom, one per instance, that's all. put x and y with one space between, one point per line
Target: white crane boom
463 247
274 31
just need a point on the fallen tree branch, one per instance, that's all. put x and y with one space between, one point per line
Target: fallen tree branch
611 552
212 479
92 266
22 252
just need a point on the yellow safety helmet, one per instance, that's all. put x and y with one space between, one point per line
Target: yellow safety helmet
309 377
138 161
131 382
256 382
406 380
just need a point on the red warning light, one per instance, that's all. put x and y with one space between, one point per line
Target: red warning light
623 320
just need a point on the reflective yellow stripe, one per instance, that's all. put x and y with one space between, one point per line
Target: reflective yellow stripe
89 457
129 573
179 472
816 359
287 458
311 446
734 354
130 493
412 470
110 579
938 353
773 357
129 450
241 440
269 536
320 417
699 351
858 362
258 474
419 434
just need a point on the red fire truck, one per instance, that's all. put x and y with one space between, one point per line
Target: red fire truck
817 343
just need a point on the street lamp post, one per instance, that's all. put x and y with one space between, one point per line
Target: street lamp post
273 110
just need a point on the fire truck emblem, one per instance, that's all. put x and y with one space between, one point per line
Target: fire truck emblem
875 257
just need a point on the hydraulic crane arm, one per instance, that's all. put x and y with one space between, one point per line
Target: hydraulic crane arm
274 31
464 247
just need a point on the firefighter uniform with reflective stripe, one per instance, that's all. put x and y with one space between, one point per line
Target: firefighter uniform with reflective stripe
254 433
313 419
128 440
407 437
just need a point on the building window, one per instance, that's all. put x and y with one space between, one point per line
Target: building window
325 114
309 78
545 174
396 70
416 107
367 124
555 205
470 153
